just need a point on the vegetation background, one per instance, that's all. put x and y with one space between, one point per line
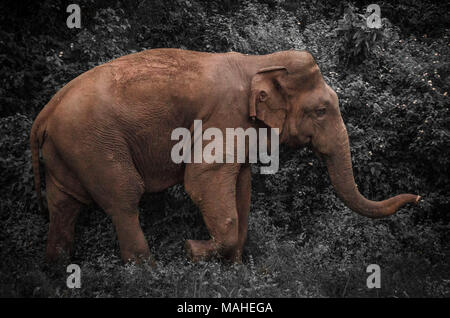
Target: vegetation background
393 87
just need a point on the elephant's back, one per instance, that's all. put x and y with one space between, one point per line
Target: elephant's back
158 64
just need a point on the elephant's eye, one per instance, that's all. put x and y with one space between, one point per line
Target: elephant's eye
320 112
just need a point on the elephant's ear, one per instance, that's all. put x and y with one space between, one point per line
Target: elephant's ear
267 101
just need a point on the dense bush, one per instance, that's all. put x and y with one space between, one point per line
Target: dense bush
356 40
302 241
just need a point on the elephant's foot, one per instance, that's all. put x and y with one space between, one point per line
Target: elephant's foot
200 250
135 250
236 256
204 250
138 256
133 245
57 254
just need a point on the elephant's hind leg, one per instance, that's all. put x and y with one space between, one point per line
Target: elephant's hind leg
63 210
117 188
133 245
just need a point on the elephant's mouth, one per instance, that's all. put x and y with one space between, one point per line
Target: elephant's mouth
322 157
294 143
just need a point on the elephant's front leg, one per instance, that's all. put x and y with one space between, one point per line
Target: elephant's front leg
213 190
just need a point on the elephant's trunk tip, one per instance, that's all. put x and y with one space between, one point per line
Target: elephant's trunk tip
410 198
418 199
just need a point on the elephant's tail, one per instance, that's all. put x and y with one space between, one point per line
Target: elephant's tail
36 139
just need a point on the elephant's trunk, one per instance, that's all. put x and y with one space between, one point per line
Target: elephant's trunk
341 174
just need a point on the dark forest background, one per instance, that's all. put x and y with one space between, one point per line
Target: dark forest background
393 87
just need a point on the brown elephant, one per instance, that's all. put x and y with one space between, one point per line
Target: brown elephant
106 137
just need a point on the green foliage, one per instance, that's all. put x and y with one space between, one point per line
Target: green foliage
108 39
303 242
429 18
252 18
355 39
15 169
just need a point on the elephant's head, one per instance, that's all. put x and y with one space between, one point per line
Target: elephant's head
293 97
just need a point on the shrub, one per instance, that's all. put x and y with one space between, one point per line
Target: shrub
356 41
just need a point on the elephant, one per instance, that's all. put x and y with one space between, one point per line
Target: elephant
105 137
